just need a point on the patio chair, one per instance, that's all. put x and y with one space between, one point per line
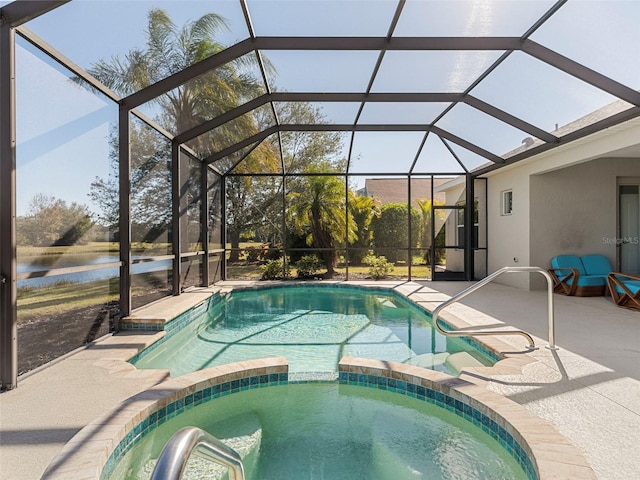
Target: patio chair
570 276
597 265
625 290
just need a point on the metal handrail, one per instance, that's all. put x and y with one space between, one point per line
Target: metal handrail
488 279
175 454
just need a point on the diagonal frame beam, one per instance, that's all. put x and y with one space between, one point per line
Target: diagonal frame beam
15 14
509 119
581 72
468 145
258 137
316 43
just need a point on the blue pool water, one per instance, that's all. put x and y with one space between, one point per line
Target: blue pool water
334 432
313 327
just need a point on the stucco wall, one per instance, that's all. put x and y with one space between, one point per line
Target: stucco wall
509 234
573 210
562 199
568 210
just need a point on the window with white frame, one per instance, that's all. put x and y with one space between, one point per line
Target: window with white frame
507 202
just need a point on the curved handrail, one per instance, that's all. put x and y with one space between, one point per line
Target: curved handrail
183 443
488 279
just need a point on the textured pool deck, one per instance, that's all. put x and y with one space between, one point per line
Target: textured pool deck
589 389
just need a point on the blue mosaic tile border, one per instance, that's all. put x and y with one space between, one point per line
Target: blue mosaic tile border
175 324
419 392
463 410
183 404
172 326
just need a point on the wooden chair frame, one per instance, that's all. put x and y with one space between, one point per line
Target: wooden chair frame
627 299
560 284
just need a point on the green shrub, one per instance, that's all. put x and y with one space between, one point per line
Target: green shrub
257 254
308 265
275 270
379 267
391 231
274 253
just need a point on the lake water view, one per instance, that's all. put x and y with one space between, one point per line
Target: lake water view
46 262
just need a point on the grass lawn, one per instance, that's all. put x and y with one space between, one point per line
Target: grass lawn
61 297
254 272
96 248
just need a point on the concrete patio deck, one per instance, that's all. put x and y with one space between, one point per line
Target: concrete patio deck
589 389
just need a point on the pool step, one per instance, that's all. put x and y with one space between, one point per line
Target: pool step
429 360
459 360
448 362
391 310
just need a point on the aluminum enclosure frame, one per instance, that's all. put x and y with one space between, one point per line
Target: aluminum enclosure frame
14 15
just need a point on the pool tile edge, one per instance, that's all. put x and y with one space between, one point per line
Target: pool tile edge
534 434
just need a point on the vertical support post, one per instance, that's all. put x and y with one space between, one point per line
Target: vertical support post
176 233
204 221
124 227
346 229
223 224
410 228
432 248
284 223
8 249
468 231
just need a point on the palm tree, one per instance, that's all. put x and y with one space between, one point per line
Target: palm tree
426 207
169 50
362 211
317 208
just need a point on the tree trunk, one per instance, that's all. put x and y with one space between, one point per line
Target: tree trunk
234 239
330 259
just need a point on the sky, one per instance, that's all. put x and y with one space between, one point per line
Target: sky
63 129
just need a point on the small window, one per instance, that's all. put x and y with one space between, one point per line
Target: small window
507 202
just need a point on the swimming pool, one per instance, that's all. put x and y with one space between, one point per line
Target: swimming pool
313 326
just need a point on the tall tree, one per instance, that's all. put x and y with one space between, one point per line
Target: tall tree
391 231
362 211
150 186
51 221
254 201
168 50
318 209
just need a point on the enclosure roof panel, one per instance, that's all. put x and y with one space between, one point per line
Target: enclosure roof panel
485 80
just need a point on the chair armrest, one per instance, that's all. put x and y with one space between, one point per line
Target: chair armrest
561 283
628 276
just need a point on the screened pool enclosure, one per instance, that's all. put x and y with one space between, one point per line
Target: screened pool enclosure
151 147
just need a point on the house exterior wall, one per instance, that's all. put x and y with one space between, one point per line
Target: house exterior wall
573 210
509 234
564 201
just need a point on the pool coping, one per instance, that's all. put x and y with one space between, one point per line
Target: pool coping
89 452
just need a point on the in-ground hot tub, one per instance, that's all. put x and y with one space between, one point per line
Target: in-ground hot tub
397 414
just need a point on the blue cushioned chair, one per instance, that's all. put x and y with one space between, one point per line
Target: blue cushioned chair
582 277
625 290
